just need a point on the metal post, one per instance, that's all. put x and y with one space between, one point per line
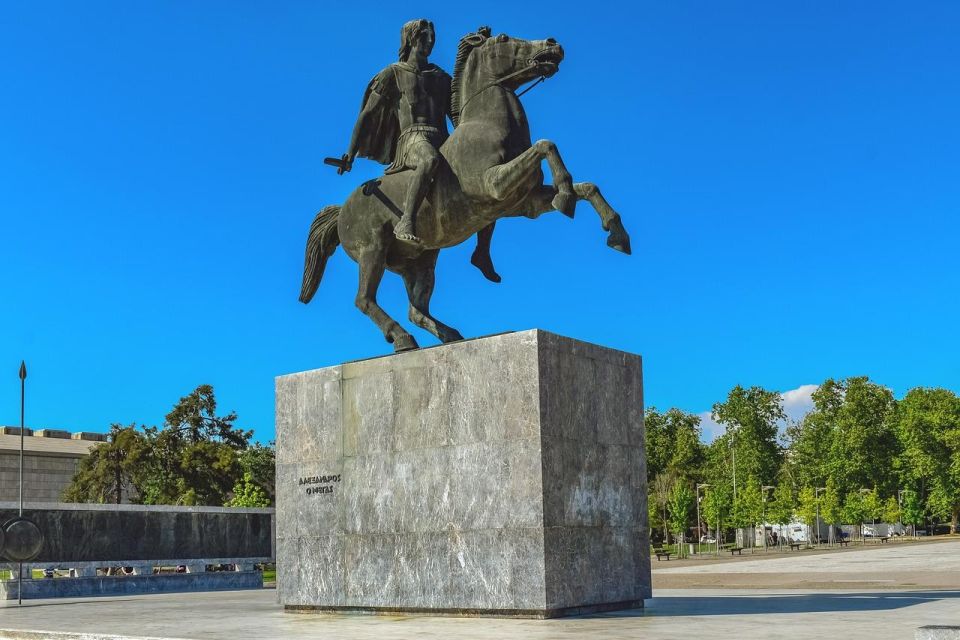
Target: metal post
23 379
816 498
765 488
699 535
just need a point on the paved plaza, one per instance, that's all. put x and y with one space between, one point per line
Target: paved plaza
869 612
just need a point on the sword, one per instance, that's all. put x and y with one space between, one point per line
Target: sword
342 163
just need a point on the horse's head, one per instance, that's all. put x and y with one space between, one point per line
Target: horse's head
484 59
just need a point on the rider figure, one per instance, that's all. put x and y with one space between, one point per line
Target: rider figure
403 122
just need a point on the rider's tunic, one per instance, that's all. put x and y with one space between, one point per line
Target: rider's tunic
419 99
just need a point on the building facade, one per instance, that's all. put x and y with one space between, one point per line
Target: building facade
51 458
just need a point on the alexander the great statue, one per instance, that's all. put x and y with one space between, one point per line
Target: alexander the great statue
438 191
403 122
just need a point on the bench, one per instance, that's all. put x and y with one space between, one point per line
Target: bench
883 539
735 550
795 546
843 542
660 553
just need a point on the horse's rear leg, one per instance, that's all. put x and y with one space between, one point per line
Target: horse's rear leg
418 276
371 261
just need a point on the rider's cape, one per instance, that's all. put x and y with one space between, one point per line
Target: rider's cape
378 139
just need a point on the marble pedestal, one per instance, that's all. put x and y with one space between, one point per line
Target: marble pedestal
498 476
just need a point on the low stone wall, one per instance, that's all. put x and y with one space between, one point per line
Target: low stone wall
131 585
86 539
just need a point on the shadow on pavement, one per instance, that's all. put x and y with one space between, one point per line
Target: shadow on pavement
691 606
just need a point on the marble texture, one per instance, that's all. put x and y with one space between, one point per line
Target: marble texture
502 475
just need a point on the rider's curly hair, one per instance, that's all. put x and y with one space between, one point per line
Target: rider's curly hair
409 33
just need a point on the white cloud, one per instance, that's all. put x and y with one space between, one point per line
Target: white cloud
710 430
796 404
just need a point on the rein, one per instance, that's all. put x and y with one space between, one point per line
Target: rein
500 81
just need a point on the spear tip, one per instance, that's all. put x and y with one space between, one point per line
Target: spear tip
23 370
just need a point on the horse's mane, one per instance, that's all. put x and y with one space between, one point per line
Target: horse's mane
467 44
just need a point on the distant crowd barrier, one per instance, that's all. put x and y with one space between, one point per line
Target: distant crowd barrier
96 549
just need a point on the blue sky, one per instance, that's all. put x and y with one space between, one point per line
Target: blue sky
789 176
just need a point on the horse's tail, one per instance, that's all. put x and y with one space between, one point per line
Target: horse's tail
321 243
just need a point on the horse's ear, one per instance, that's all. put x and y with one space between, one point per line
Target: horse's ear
478 38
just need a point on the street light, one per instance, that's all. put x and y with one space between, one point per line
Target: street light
699 535
816 498
764 489
733 451
864 490
900 493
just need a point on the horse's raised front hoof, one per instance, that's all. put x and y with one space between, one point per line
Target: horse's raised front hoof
618 238
405 342
565 203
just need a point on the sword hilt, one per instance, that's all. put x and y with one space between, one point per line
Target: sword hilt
342 163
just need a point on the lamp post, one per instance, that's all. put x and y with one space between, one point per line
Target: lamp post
764 489
733 453
900 493
863 490
23 387
699 535
816 498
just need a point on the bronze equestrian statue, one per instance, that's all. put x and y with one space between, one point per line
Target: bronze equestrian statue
486 170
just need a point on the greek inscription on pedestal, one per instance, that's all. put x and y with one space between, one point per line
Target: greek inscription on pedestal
317 485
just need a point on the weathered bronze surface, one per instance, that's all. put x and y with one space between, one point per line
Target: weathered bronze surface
487 169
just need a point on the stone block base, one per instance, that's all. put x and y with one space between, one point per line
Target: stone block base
497 476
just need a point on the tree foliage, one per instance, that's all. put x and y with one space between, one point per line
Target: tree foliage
928 426
112 470
673 443
680 506
197 458
751 417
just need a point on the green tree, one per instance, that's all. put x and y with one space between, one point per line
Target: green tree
780 508
806 510
660 492
751 417
673 443
872 506
891 510
928 428
110 473
863 444
259 462
809 440
750 507
247 493
854 510
680 506
831 507
194 459
912 512
716 507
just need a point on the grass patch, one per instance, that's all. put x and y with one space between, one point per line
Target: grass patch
270 575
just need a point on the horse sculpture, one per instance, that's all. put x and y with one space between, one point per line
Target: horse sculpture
491 171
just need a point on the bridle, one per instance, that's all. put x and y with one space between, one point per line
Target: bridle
534 64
